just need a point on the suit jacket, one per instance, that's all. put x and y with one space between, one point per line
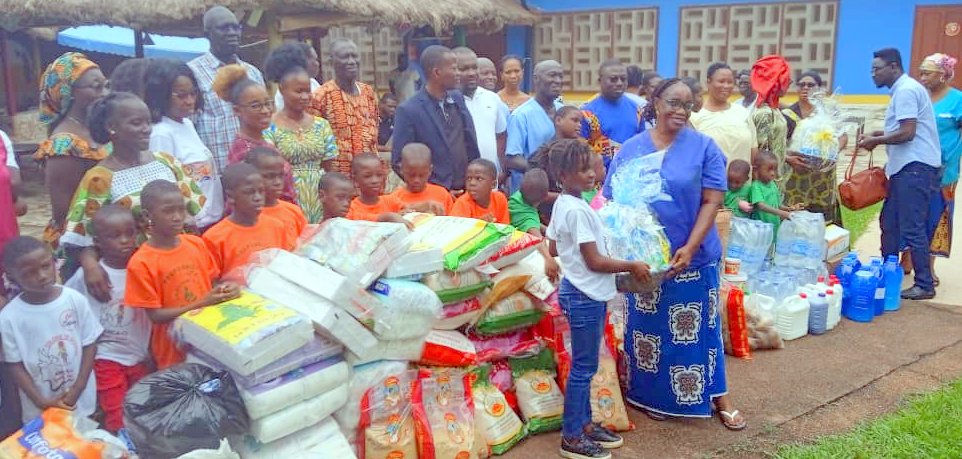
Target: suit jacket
418 120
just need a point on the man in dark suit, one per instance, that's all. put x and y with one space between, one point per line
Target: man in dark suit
437 117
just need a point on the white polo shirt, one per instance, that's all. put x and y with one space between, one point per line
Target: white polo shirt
490 117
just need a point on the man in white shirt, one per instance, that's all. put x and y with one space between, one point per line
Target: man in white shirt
487 110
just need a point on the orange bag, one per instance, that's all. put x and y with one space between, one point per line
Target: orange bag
50 435
734 325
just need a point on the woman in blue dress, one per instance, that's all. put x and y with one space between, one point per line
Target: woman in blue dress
673 344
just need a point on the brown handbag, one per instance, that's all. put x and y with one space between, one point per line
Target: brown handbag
865 188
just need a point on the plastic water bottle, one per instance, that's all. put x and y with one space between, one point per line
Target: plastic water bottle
817 314
862 306
783 247
835 296
879 303
893 283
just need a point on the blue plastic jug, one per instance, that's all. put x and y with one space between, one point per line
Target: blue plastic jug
877 271
862 307
893 283
817 314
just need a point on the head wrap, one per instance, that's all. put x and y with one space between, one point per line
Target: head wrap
770 78
56 85
939 62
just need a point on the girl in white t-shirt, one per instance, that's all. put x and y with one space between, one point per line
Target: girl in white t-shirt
575 234
172 96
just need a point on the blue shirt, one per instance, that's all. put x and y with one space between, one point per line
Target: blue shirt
910 101
529 127
948 116
693 163
606 124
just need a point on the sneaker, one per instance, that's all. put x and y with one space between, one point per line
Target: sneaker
605 437
582 448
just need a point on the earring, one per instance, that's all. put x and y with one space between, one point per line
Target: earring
112 132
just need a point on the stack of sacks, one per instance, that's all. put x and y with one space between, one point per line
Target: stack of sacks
465 243
358 250
321 440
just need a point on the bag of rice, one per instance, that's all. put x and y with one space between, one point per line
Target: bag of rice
539 397
453 287
448 349
295 387
50 435
517 344
386 429
323 439
734 326
411 309
500 425
519 246
419 259
607 403
444 414
318 349
454 316
405 350
515 312
278 425
246 333
466 242
365 377
358 250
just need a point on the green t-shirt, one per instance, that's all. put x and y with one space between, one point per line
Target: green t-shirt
769 195
589 195
733 197
524 216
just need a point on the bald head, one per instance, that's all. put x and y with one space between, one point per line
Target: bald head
487 74
467 70
534 186
223 31
548 80
416 153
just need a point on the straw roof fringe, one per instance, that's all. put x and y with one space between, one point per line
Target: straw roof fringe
133 13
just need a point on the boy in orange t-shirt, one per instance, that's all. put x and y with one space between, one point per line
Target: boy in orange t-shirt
335 192
418 194
370 204
270 164
172 273
234 239
480 200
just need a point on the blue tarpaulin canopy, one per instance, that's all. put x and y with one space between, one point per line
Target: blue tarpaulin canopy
120 41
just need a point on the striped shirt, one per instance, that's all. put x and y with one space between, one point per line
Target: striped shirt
216 124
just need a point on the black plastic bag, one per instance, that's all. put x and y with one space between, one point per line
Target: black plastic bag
183 408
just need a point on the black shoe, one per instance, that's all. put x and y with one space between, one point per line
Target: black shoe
582 448
916 293
605 437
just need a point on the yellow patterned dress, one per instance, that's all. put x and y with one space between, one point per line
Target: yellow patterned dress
305 150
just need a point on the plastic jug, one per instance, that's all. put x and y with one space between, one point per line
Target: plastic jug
818 314
835 295
893 283
763 304
792 318
862 307
879 298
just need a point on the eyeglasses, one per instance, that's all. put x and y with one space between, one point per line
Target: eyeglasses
675 104
876 68
807 85
186 94
260 106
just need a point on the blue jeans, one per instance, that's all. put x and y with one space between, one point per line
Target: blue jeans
586 317
905 216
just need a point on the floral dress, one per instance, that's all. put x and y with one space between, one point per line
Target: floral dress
771 129
305 150
817 187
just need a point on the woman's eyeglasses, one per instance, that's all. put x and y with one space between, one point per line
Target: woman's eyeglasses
675 104
260 106
807 85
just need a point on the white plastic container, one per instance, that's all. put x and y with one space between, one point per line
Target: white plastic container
834 295
763 304
791 319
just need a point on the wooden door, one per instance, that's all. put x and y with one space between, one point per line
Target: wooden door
938 29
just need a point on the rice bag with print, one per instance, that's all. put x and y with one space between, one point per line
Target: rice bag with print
358 250
500 426
453 287
539 396
386 429
444 414
465 242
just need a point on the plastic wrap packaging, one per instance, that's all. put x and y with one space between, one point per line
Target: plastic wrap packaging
537 284
801 241
183 408
762 333
639 181
358 250
402 350
410 311
512 313
465 242
328 319
607 402
285 422
246 333
519 246
554 331
52 434
444 413
448 349
419 259
539 396
817 136
750 241
363 378
521 343
454 316
321 440
295 387
500 425
633 233
734 325
319 348
387 428
452 287
223 451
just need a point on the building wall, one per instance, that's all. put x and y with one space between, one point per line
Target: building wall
862 27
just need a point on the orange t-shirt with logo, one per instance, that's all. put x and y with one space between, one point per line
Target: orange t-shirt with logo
232 245
169 278
432 192
385 204
466 206
288 214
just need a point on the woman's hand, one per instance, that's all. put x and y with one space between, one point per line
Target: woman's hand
681 260
640 271
797 163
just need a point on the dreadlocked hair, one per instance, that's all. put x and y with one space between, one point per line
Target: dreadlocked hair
568 156
648 113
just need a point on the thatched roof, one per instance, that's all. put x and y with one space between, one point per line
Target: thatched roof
160 13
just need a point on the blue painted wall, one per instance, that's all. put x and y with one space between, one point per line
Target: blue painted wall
863 26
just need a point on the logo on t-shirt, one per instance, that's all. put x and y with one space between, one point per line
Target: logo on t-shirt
68 320
56 362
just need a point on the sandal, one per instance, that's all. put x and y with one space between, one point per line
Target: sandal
935 281
728 420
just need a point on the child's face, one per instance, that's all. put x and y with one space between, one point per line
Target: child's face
479 182
35 272
579 181
766 171
569 126
337 200
248 197
116 238
167 215
369 178
272 171
736 180
416 174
